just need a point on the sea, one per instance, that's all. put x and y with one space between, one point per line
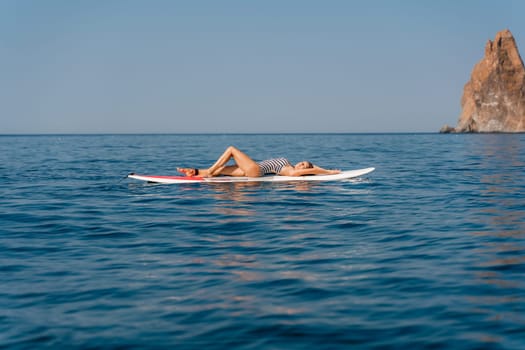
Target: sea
426 252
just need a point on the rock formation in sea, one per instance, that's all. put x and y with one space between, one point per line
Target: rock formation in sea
494 98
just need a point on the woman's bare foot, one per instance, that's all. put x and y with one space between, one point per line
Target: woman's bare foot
187 171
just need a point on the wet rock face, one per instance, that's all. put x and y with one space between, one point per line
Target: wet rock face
494 98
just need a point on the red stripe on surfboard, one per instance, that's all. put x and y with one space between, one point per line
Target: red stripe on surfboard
173 177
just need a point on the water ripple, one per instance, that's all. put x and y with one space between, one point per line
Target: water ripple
426 252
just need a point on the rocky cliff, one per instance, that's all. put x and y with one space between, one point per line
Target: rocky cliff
494 98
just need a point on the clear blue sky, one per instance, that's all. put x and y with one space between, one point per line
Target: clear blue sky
126 66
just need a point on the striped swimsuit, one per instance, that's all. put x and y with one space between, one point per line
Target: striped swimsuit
273 166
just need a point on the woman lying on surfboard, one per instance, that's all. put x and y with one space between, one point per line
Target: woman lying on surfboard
245 166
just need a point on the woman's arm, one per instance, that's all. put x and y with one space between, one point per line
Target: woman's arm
291 171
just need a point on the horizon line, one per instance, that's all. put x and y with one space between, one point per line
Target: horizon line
222 133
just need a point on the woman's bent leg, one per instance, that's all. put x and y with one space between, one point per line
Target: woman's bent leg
248 166
230 170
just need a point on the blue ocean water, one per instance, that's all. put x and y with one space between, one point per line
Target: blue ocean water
428 251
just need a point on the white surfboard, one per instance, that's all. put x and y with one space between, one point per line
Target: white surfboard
348 174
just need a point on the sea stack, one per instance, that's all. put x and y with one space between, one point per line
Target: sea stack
494 98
